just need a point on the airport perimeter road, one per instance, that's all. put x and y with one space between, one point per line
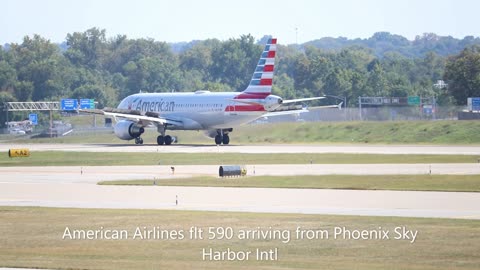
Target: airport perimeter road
313 148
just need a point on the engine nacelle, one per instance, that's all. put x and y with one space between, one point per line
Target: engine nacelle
127 130
272 102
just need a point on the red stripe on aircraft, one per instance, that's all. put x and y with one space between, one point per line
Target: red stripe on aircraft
245 108
268 68
252 95
265 81
271 54
274 41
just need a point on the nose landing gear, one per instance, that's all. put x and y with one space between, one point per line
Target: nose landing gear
138 140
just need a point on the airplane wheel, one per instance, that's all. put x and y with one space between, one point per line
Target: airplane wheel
160 140
168 140
226 139
138 140
218 139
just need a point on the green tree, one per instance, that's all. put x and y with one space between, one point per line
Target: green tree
377 84
4 97
87 48
38 61
8 75
462 72
101 93
234 61
23 90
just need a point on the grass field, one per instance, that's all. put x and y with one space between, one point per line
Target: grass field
467 183
398 132
59 158
32 237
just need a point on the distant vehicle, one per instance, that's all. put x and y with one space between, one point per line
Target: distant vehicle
59 128
19 127
216 113
17 131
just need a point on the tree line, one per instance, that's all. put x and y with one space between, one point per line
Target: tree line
92 66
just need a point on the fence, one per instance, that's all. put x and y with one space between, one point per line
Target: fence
372 114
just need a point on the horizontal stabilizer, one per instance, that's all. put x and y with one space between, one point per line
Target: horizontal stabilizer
270 114
301 99
338 106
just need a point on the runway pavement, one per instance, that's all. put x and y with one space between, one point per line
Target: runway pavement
93 174
76 187
307 201
274 149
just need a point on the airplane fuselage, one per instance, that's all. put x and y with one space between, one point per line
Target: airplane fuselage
217 112
198 110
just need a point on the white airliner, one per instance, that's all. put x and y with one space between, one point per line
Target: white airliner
217 113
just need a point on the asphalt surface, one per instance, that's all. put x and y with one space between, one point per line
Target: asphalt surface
93 174
76 187
274 149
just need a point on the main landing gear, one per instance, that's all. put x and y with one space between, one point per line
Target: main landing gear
167 140
222 137
162 138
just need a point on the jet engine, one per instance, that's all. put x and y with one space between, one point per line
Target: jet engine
127 130
272 102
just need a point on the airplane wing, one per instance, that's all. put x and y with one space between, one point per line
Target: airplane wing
295 109
135 116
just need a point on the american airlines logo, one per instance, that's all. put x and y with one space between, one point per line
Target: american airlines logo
155 106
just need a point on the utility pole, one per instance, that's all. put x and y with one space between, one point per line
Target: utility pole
360 107
296 36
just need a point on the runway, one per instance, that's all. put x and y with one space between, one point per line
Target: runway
76 187
273 149
94 174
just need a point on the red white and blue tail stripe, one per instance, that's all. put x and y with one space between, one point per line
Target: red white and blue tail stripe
261 82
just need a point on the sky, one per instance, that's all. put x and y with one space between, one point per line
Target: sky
291 21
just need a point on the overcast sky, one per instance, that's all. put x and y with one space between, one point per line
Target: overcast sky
183 20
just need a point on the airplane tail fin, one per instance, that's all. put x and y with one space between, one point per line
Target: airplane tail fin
261 82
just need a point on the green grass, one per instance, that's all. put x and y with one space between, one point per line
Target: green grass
398 132
59 158
467 183
32 237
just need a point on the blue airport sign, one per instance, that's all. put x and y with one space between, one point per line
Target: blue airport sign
33 117
69 104
476 104
87 104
